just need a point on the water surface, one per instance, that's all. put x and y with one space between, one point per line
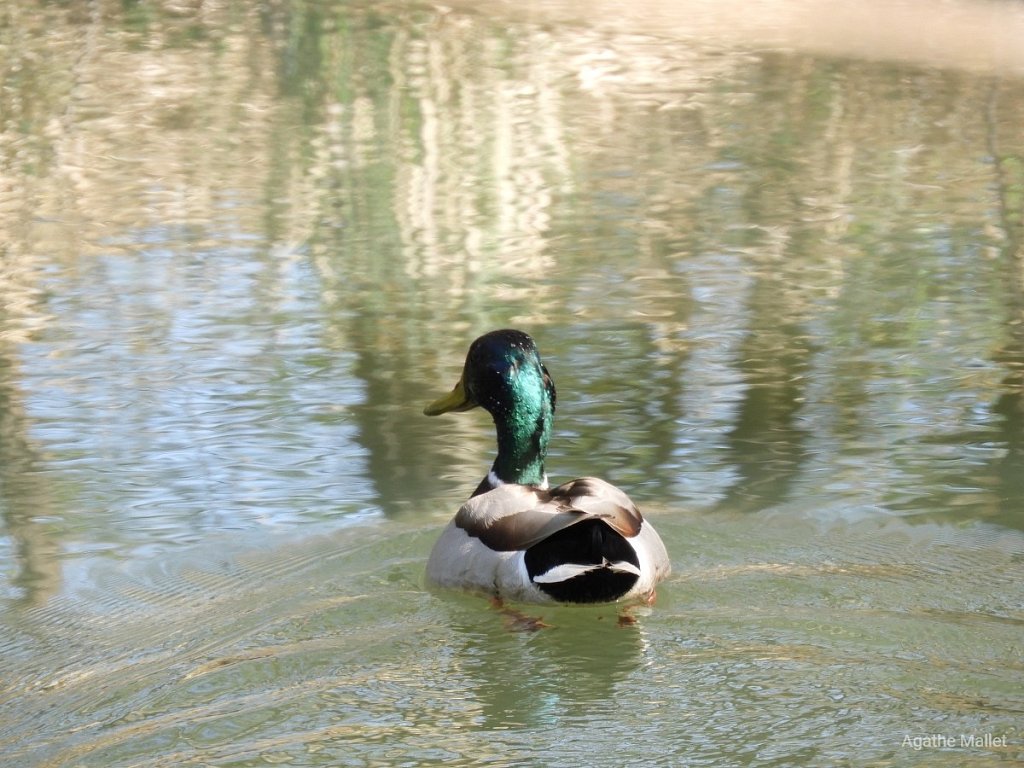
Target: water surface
780 290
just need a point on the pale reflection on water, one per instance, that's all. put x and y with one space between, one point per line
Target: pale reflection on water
781 294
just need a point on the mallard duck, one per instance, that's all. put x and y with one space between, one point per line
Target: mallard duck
516 539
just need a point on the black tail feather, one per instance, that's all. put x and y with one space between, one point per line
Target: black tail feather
590 542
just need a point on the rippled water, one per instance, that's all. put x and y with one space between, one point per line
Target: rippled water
777 277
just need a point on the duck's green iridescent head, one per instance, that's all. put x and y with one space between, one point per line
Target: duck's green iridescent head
504 375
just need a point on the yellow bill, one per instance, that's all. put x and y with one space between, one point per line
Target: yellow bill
454 401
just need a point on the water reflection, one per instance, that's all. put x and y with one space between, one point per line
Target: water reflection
569 671
1009 404
26 497
758 231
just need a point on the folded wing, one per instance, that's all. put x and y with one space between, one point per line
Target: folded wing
515 517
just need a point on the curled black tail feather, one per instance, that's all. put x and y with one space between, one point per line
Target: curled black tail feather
590 542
